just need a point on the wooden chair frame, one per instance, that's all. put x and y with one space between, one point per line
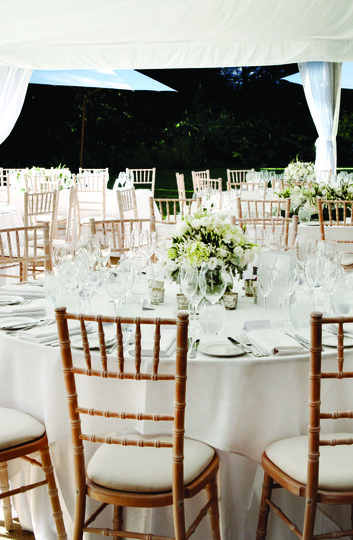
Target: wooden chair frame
259 208
286 226
237 175
143 177
311 490
86 184
110 369
181 186
28 248
41 207
339 214
196 175
127 203
172 210
119 231
23 451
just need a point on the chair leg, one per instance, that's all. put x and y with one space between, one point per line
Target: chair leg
6 502
352 519
117 518
53 493
213 512
264 508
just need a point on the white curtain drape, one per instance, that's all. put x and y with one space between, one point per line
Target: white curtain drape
13 88
322 87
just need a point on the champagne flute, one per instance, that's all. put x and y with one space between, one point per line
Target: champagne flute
265 280
190 286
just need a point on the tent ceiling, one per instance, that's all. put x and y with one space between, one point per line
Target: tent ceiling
159 34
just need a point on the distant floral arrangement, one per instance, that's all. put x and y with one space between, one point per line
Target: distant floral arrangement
209 238
305 195
299 171
18 181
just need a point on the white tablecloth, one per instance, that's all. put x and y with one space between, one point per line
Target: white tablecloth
237 404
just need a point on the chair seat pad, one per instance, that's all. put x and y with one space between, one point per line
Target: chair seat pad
144 470
336 462
18 427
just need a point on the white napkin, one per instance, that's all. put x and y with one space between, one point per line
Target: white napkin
47 334
275 342
35 308
25 290
167 343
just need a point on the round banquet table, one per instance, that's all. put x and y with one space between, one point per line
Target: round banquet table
238 405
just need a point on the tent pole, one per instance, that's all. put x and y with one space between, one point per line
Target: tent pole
83 128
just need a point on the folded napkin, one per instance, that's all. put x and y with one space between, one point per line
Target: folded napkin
275 342
47 334
35 308
167 343
25 290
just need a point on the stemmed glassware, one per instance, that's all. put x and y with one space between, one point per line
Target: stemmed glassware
103 249
118 281
213 282
265 280
190 286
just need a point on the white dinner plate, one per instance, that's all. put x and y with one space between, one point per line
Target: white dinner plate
220 347
76 342
330 340
6 300
17 323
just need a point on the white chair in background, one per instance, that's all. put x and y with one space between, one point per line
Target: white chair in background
142 177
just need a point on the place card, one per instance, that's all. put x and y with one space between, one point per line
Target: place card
256 325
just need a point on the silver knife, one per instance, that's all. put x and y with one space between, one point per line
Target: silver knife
244 347
194 348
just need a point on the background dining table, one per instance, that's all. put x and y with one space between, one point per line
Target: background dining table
237 404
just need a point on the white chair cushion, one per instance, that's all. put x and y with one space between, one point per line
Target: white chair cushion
131 468
18 427
336 462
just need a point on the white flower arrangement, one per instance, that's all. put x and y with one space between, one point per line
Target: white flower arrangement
209 238
62 173
299 171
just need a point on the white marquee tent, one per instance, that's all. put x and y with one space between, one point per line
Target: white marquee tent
160 34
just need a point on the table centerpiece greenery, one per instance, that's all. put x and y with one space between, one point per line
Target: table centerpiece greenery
212 239
61 172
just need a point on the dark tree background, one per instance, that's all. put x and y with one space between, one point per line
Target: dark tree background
233 117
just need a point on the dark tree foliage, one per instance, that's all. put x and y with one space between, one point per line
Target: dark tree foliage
232 117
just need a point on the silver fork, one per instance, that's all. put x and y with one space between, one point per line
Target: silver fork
243 338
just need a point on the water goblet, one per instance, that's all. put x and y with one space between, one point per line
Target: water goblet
118 281
213 282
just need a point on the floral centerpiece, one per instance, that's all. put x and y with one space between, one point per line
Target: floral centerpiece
61 172
299 171
209 238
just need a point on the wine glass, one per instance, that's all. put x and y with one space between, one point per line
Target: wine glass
265 280
213 282
104 248
190 286
118 281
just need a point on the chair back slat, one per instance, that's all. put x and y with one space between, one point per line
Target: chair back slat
238 175
338 213
127 203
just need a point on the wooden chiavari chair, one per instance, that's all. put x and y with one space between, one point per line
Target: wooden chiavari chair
90 197
27 249
143 177
127 203
23 435
119 232
258 208
237 175
316 466
41 207
196 175
259 229
173 210
181 185
145 471
339 213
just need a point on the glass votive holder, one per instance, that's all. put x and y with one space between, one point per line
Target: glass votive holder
157 293
249 287
230 300
182 301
